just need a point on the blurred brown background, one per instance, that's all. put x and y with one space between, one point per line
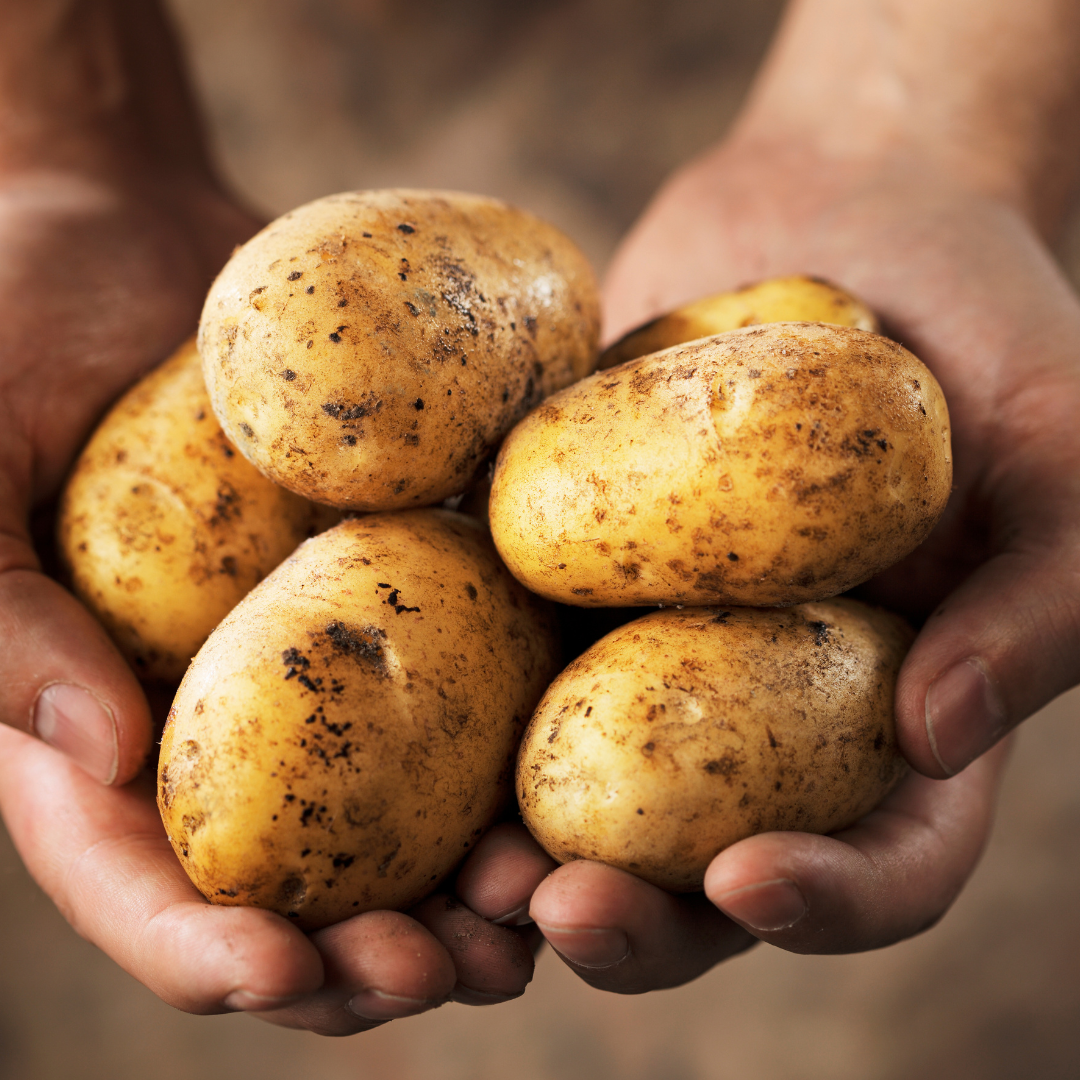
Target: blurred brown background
575 109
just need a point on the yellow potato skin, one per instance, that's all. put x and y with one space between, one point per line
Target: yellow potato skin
348 732
788 299
370 350
164 527
683 732
772 465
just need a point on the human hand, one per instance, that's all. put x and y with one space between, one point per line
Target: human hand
101 854
966 283
112 226
864 169
104 268
132 281
897 871
890 876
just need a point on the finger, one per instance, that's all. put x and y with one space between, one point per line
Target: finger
379 966
61 678
622 934
492 963
1000 647
892 875
102 856
1007 640
499 878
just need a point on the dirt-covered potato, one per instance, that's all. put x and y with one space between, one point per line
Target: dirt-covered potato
164 527
772 465
370 350
348 732
788 299
685 731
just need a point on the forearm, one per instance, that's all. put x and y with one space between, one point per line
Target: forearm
81 80
985 93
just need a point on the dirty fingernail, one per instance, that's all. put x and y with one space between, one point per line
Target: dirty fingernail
588 948
246 1001
766 906
964 715
72 720
466 995
377 1005
518 917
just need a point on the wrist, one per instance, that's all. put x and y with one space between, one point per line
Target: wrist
809 169
978 96
809 176
92 86
754 208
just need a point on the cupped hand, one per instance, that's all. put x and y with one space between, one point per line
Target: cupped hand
889 876
104 272
965 282
101 854
886 878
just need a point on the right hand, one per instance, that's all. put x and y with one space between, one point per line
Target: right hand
889 876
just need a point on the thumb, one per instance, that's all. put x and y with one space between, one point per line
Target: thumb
1000 647
61 678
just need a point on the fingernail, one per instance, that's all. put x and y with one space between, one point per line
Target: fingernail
518 917
767 906
600 948
466 995
72 720
246 1001
964 715
376 1005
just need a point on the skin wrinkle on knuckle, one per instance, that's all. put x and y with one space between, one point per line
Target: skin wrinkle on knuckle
907 836
894 901
146 940
81 883
1060 633
897 823
71 884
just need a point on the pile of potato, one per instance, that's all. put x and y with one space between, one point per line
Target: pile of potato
770 465
350 723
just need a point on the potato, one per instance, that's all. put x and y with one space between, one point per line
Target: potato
685 731
772 465
164 527
788 299
370 350
349 731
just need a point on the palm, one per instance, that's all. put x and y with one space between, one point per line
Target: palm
968 288
966 285
102 281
